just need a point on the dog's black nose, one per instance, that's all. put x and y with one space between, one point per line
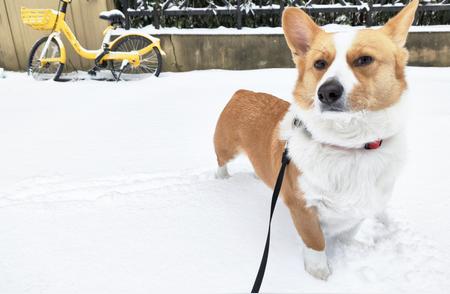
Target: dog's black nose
330 92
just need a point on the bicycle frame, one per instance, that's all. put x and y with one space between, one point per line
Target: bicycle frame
133 57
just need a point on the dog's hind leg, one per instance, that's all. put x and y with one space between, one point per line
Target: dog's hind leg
225 151
222 172
226 146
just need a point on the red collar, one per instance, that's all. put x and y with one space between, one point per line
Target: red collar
373 145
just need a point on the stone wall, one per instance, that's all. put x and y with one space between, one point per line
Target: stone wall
247 51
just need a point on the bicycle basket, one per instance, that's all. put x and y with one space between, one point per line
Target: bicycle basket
39 19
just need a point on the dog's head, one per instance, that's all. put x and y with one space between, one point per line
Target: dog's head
350 83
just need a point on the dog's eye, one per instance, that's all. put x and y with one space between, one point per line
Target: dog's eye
363 60
320 64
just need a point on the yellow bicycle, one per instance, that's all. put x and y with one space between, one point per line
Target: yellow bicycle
130 55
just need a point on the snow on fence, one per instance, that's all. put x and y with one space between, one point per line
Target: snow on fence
241 8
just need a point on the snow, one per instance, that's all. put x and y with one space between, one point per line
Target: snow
261 30
112 13
109 187
140 9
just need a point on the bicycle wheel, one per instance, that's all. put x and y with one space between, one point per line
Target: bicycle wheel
49 71
150 64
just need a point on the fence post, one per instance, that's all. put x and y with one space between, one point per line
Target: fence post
238 15
369 20
281 9
125 7
156 15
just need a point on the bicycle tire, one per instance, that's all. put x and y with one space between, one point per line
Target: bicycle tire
151 62
51 72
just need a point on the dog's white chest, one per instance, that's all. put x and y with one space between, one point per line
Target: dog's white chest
346 186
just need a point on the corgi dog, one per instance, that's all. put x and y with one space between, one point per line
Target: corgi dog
343 130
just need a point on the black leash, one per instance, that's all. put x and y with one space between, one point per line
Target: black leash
276 191
297 123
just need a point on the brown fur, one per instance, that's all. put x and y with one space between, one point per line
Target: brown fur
380 84
249 123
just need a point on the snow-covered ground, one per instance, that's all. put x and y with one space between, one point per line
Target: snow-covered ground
108 188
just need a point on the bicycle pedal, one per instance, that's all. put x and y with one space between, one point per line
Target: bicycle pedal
125 64
92 72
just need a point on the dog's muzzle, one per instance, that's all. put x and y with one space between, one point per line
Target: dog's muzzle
330 95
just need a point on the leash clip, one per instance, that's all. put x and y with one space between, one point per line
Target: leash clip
285 158
297 123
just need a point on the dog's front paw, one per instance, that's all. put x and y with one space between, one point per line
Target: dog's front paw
316 263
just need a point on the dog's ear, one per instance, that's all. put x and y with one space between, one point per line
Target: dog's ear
397 27
299 30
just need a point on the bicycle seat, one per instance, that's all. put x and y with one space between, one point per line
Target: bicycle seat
114 16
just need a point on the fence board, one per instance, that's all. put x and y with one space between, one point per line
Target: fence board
82 17
8 56
86 21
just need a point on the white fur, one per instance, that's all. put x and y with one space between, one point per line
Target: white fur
346 184
348 129
353 129
343 180
222 172
340 69
316 263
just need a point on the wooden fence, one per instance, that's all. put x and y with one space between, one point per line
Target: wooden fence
16 39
